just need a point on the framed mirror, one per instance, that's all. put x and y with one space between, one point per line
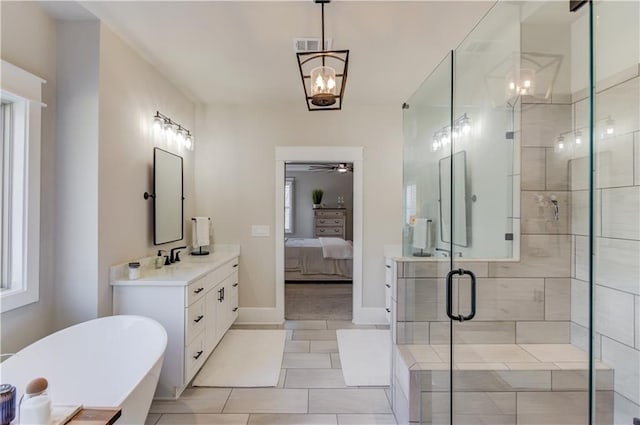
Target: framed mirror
168 201
459 195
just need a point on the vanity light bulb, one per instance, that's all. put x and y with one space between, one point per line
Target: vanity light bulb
180 136
578 138
188 142
610 128
157 123
512 86
560 143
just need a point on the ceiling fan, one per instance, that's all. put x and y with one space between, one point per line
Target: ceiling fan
340 167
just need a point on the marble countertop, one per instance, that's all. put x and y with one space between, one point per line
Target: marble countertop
182 273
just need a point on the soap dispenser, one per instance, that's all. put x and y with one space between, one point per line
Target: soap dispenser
159 262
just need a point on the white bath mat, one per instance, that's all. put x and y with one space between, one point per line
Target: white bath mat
365 355
244 358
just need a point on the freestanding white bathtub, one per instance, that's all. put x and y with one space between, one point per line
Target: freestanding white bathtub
107 362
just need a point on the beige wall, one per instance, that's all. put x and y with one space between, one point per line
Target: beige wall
235 185
29 41
131 90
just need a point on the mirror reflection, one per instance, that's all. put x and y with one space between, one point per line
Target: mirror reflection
168 199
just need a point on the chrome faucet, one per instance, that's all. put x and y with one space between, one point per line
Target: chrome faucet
175 258
445 252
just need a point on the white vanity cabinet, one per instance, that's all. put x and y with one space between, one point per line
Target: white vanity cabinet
196 302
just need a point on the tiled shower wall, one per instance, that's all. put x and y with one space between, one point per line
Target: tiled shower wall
526 301
617 244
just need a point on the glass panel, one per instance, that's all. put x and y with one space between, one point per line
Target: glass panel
486 139
616 232
516 78
421 309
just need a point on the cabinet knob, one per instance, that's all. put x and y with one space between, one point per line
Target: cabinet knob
235 309
197 291
321 230
235 265
336 221
235 284
388 310
387 285
198 354
199 318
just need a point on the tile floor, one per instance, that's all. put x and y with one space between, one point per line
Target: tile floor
311 389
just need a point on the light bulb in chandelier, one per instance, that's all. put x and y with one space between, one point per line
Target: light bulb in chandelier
323 89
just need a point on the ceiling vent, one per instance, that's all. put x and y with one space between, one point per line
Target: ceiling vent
310 44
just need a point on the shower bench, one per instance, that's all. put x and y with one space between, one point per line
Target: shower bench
497 384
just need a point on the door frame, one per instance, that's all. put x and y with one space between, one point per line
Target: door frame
352 154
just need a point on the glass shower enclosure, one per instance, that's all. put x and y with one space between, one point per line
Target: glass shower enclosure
521 224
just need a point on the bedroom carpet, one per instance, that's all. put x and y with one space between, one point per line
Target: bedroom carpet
365 355
318 301
244 358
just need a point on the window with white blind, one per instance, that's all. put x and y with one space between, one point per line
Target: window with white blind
289 200
20 127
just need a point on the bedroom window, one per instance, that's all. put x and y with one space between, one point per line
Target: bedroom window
289 199
20 126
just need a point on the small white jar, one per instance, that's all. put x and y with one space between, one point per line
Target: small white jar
134 271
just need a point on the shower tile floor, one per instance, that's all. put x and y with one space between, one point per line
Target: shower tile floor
311 389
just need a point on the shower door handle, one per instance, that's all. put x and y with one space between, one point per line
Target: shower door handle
460 317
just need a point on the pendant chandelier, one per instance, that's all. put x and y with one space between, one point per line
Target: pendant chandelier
324 74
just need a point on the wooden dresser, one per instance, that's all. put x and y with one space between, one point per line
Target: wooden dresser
330 222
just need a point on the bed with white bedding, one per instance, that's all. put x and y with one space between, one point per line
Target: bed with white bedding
318 259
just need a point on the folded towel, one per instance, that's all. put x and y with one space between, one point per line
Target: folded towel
200 231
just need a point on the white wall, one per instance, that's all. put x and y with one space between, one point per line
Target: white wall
235 169
334 184
29 41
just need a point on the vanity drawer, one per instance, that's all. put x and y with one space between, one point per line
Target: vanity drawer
329 221
194 317
223 272
198 289
329 214
194 357
329 231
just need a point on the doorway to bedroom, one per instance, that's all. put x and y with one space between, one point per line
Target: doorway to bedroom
318 240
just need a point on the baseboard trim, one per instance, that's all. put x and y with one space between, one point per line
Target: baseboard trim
259 316
370 316
271 316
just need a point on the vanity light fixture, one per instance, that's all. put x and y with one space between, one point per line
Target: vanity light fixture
444 136
173 131
323 74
